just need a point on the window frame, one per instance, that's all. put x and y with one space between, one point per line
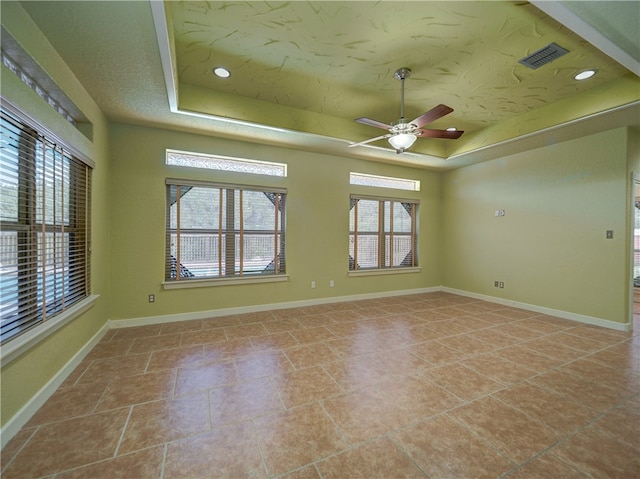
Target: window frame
177 281
381 234
50 312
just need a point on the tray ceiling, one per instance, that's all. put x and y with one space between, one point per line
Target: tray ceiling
301 72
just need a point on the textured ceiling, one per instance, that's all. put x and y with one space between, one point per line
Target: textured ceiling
313 67
339 59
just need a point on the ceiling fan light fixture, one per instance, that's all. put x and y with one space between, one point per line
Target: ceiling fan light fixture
402 141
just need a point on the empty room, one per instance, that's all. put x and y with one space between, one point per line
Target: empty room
314 240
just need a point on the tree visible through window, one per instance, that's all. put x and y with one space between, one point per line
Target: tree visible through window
219 231
382 233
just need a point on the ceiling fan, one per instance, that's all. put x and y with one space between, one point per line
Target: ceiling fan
402 134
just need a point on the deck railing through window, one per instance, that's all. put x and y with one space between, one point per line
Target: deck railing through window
200 252
222 231
383 233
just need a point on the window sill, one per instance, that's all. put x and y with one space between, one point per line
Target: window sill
22 343
206 283
378 272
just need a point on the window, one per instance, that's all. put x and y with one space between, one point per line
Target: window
44 219
364 179
225 163
224 231
383 233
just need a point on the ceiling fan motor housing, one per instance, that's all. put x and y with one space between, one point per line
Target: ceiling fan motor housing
401 126
402 73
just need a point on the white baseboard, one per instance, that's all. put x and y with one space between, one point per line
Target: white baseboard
581 318
14 424
169 318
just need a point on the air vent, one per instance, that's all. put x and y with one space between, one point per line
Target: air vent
543 56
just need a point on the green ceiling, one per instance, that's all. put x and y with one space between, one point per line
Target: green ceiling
303 71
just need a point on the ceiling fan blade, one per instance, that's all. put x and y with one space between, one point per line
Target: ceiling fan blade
370 140
376 123
451 135
432 115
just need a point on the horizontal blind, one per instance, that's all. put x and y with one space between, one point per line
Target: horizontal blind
44 234
217 231
382 233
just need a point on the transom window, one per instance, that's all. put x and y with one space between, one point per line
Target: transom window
364 179
44 220
225 163
382 233
224 231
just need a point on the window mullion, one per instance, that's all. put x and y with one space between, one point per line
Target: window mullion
355 234
275 235
241 219
391 211
381 255
413 234
230 240
62 229
220 218
28 237
178 258
43 242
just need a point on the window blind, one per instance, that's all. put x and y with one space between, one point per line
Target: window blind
222 231
382 233
44 227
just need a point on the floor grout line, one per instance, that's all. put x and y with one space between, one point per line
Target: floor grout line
389 373
124 429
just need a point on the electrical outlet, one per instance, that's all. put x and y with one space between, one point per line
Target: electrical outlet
331 283
496 283
313 284
152 298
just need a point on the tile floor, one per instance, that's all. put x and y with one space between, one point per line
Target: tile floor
421 386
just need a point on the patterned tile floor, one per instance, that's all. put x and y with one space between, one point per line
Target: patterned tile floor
422 386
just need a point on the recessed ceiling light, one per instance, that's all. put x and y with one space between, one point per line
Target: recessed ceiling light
585 74
221 72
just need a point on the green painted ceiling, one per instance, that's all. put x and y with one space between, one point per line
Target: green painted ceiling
308 69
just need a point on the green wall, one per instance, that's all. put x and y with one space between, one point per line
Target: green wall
317 224
549 248
23 377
